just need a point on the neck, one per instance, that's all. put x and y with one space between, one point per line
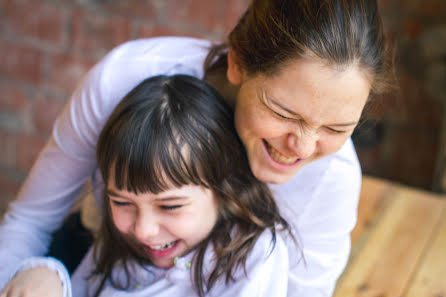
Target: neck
218 81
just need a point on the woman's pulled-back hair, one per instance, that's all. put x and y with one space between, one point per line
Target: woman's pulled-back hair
340 33
177 130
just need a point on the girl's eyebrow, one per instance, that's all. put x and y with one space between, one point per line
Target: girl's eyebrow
167 198
172 198
114 194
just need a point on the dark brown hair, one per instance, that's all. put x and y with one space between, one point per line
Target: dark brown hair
177 130
338 32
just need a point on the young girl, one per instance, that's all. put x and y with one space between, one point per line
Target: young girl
184 216
298 74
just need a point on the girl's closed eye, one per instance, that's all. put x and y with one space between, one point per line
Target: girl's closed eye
171 207
119 203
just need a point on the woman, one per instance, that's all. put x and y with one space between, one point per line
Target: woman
298 74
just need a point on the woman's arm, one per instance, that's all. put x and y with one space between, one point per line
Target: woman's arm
68 159
39 277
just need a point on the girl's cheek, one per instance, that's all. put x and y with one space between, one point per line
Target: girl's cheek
122 221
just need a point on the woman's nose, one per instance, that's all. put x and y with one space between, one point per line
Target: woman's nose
303 144
146 226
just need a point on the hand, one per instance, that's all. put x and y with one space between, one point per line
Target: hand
34 282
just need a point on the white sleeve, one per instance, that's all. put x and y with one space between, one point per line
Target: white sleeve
323 230
52 264
266 268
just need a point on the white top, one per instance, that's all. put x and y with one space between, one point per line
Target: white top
266 276
320 201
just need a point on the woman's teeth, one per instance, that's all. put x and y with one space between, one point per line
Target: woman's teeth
163 246
278 157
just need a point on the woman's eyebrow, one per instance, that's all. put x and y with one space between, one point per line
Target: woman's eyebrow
352 123
283 107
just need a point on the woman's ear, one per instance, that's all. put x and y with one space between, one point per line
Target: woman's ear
234 73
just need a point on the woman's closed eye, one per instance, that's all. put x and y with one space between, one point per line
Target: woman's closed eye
284 117
336 131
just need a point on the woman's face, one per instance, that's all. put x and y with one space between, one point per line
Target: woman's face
165 225
305 112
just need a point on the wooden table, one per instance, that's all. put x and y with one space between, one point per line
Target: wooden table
398 245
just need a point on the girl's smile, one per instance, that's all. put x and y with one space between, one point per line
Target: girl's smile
162 250
166 225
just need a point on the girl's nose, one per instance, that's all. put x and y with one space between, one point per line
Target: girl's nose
146 227
303 144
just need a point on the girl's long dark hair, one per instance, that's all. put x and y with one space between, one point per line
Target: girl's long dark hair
178 130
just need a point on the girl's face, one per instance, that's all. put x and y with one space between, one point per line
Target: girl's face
168 224
304 113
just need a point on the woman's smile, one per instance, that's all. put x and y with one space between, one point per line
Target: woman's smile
278 157
290 119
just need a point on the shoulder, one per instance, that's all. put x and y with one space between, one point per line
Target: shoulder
132 62
338 174
162 50
270 250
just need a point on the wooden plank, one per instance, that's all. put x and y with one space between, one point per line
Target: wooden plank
430 280
386 263
371 203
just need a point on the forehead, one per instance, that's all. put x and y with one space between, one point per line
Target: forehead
317 90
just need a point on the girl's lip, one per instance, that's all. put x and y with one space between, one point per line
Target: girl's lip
280 166
162 253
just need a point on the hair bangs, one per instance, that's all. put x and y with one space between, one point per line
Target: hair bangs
158 154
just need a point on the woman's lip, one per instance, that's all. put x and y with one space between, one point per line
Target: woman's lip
162 253
279 165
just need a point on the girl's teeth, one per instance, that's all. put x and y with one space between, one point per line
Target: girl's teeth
163 247
279 157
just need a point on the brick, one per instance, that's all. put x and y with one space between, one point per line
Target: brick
28 148
36 19
20 62
427 8
44 113
145 31
413 28
65 71
8 149
97 34
12 98
143 9
234 10
204 13
9 188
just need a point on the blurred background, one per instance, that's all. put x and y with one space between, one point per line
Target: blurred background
46 46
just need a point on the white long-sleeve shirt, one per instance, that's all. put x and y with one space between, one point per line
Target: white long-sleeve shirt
320 202
266 275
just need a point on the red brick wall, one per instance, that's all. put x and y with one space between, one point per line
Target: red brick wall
47 45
